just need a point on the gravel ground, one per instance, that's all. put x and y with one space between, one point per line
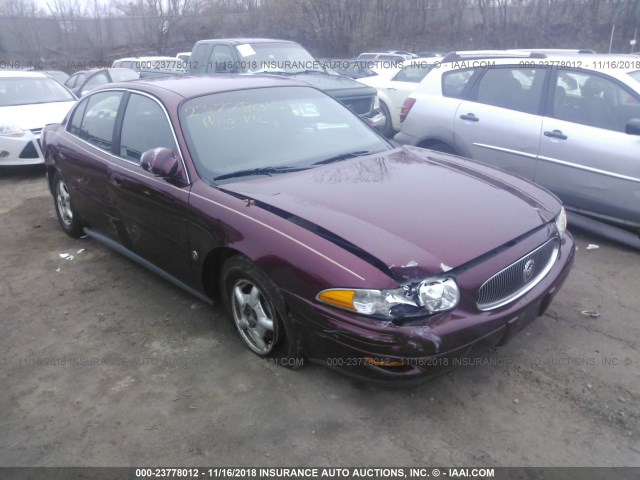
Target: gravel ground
103 363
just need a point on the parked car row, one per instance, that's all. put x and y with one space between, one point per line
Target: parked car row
256 179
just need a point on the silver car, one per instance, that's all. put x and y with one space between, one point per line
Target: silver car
570 123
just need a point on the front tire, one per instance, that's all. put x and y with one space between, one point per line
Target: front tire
258 311
387 130
66 213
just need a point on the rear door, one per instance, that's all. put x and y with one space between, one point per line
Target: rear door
586 157
500 121
85 157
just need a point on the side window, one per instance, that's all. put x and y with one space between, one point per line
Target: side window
76 80
453 82
514 88
199 60
594 100
76 120
144 126
71 81
100 118
221 60
95 81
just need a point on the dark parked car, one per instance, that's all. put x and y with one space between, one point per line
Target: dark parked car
324 241
84 81
282 57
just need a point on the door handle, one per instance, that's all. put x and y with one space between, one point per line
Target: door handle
469 116
392 89
555 134
115 180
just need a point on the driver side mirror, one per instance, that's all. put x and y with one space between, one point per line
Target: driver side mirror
161 162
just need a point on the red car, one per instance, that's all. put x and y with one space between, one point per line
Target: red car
324 240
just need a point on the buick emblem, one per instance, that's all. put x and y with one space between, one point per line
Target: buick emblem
527 271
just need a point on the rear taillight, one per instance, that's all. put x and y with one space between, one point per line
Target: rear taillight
406 108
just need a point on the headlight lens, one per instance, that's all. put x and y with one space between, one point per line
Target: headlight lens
561 221
423 298
11 131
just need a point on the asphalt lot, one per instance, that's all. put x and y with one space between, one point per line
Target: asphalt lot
103 363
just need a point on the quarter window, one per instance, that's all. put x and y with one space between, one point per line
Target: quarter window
594 100
453 82
76 120
144 127
100 118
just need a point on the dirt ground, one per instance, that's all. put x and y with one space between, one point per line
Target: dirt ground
103 363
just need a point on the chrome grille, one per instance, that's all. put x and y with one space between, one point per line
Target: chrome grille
519 277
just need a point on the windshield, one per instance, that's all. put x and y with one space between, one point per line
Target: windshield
267 131
635 75
30 90
278 57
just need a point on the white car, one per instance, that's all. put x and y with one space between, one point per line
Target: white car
568 122
28 102
394 85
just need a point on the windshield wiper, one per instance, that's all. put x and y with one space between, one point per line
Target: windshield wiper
343 156
259 171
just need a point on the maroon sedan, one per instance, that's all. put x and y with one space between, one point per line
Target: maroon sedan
324 241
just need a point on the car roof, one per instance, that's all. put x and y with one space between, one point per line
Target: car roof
91 71
196 85
22 74
240 41
144 59
617 65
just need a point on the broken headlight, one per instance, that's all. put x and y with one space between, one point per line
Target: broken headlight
422 298
561 221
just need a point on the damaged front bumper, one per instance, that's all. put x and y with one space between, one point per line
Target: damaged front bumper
387 352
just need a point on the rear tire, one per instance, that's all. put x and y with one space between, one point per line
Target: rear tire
67 216
258 312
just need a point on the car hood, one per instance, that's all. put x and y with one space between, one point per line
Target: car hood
29 117
338 86
414 210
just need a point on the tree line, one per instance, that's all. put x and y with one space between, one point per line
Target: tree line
80 31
